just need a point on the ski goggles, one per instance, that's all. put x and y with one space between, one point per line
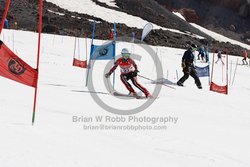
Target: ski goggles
194 49
125 54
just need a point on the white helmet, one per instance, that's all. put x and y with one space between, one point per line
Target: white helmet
125 53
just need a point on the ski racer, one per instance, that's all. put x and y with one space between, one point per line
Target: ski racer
129 71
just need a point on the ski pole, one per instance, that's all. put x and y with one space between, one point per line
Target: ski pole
177 77
156 82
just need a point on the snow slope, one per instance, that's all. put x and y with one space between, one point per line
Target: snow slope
179 15
109 2
212 130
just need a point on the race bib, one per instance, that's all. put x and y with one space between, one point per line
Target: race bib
127 70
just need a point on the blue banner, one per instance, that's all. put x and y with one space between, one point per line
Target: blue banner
103 52
202 71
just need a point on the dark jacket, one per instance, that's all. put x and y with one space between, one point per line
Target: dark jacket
219 55
188 58
201 50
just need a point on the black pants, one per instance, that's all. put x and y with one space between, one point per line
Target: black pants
190 71
129 76
202 56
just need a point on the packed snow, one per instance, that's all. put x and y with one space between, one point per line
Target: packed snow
179 15
58 13
204 128
109 3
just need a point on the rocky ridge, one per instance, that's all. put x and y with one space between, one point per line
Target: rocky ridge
60 21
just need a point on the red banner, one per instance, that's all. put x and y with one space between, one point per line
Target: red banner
79 63
14 68
220 89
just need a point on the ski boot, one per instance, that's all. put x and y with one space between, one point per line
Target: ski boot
180 84
148 95
134 94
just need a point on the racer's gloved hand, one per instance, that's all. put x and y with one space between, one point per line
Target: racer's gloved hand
183 65
107 75
134 74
